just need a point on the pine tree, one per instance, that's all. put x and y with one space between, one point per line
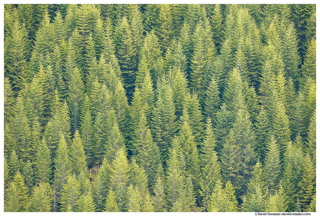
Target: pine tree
14 164
198 59
126 53
11 202
307 184
85 203
22 192
311 143
255 200
101 185
41 198
62 166
212 100
28 176
272 165
70 194
111 205
86 134
175 178
115 142
159 197
280 128
15 57
163 119
77 155
8 100
209 165
164 31
309 66
21 131
262 129
291 58
218 201
76 90
134 199
217 27
120 178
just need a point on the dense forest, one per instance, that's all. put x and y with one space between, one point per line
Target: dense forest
160 108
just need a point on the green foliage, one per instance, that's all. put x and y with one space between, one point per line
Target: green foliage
41 198
150 107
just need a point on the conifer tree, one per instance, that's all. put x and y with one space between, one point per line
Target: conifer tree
70 194
309 66
41 198
307 184
311 143
120 178
212 100
14 164
21 131
209 165
15 57
8 100
159 197
62 166
85 203
11 203
115 142
77 155
262 129
28 176
111 205
280 128
217 28
101 185
272 165
126 53
164 31
134 199
175 178
163 118
21 192
43 163
255 200
76 90
291 58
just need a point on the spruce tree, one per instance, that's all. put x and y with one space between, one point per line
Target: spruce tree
70 194
63 167
272 165
77 155
111 205
22 192
159 197
41 198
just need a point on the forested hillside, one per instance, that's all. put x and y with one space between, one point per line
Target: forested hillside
160 108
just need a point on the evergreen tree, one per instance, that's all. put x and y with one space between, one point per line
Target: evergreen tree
21 192
126 53
111 205
41 198
311 144
120 178
11 203
77 155
217 27
262 130
209 164
212 101
159 197
134 199
76 90
28 176
70 194
307 184
164 31
85 203
272 165
62 167
255 200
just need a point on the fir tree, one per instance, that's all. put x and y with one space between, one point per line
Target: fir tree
77 155
41 198
111 205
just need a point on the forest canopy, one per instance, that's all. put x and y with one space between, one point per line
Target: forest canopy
174 108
